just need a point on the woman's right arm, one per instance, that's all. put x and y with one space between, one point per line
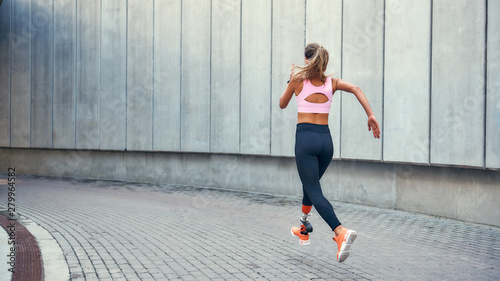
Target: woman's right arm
287 94
289 91
351 88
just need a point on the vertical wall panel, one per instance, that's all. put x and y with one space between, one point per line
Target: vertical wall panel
140 75
88 74
195 99
21 33
167 76
113 75
288 48
362 66
5 60
63 131
256 76
324 26
225 83
407 81
457 120
493 87
41 74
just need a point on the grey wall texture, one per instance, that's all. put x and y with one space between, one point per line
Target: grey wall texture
465 194
205 76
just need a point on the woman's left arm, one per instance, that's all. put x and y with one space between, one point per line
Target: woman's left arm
351 88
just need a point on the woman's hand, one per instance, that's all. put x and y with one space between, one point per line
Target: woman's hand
373 126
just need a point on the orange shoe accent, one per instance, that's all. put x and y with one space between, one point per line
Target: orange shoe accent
302 234
306 209
344 242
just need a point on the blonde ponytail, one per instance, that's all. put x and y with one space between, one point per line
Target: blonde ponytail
317 57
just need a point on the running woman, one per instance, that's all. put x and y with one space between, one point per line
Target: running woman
313 143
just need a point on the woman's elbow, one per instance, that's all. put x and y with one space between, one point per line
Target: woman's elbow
283 104
354 89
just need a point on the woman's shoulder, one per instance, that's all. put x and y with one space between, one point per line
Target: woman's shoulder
334 82
297 80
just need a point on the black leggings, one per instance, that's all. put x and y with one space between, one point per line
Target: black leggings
313 153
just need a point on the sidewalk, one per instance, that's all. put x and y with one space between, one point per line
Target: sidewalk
5 274
109 230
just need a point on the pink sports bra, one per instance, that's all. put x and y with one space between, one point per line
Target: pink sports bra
309 89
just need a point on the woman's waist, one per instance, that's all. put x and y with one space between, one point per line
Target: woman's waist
313 118
319 128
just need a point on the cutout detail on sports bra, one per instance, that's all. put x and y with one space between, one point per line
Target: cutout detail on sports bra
313 99
317 98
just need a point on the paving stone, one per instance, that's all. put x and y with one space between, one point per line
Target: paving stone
132 231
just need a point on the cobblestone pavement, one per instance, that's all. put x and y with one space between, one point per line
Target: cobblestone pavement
111 230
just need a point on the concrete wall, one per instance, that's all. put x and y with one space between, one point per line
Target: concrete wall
407 81
465 194
458 60
493 86
205 76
